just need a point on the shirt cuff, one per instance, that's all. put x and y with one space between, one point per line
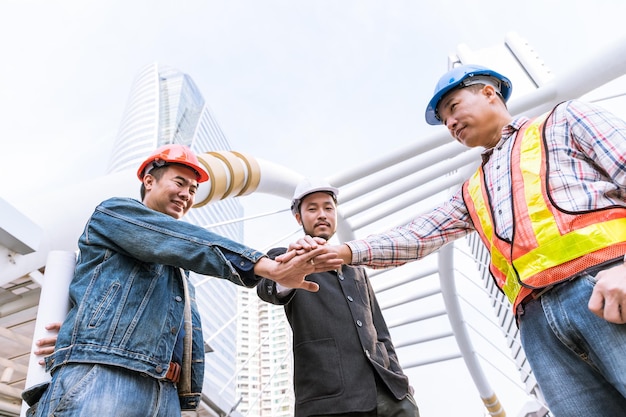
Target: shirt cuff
361 252
282 291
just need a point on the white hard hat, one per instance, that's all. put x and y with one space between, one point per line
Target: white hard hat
310 186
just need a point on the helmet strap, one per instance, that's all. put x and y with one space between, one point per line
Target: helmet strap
157 163
482 80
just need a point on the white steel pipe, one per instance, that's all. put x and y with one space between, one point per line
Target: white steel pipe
455 315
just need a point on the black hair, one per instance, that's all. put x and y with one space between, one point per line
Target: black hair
157 172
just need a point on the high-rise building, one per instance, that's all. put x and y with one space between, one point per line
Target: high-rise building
265 359
164 107
249 368
248 338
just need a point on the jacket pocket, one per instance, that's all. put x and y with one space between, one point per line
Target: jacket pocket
103 306
317 370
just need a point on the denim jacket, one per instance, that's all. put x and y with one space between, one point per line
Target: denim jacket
127 295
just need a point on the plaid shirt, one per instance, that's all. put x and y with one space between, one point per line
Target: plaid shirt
587 170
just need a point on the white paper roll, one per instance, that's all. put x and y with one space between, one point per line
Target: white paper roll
54 303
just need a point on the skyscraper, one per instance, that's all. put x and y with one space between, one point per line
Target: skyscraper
165 106
264 357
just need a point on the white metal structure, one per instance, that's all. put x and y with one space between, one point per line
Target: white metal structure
391 189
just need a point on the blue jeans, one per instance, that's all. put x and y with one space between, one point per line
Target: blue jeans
86 390
578 359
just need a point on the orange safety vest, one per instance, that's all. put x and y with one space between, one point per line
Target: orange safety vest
548 245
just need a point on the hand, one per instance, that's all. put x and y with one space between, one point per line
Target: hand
306 244
293 268
608 299
327 261
46 345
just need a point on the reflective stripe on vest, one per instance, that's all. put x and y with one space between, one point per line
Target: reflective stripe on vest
549 245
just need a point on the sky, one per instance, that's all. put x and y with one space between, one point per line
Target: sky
315 86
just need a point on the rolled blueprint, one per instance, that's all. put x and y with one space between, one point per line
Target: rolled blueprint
54 303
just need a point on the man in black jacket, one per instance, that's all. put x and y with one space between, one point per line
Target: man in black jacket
344 361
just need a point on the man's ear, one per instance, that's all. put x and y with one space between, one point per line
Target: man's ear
148 181
299 219
489 91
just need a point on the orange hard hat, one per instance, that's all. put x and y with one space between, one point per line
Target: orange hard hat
173 154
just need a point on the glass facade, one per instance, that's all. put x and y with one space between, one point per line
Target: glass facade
165 106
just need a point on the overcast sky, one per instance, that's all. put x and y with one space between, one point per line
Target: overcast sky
316 86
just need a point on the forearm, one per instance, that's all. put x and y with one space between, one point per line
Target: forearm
345 254
265 268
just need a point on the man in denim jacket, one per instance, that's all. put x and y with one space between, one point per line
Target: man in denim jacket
132 343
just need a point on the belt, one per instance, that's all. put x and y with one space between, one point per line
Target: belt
173 372
536 294
519 311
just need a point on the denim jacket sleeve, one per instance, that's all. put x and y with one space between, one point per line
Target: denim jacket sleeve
127 226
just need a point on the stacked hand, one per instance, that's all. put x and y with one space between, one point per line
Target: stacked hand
307 244
291 268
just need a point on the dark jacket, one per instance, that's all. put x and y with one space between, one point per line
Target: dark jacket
340 342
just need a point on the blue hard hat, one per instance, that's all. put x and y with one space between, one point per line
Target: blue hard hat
460 76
